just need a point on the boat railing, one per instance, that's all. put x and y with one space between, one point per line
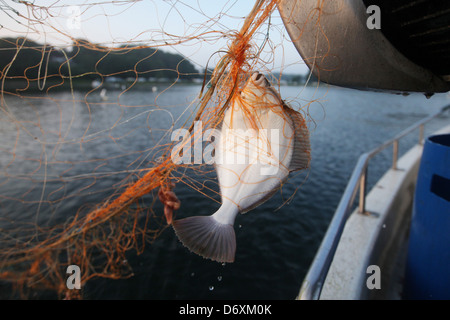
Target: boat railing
315 278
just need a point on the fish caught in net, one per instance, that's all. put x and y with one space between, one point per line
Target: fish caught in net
87 176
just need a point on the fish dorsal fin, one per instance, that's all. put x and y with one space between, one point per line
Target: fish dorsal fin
261 201
301 155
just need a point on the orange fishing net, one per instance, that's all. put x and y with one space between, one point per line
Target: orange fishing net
34 254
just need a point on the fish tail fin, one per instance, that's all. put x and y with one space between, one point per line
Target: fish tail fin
207 237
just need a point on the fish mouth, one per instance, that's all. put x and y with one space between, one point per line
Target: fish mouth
257 76
259 79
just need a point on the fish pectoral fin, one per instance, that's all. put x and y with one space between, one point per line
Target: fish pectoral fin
207 237
301 156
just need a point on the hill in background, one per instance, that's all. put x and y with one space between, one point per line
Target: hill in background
89 62
92 63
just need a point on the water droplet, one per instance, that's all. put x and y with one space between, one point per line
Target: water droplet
211 288
240 226
192 274
219 278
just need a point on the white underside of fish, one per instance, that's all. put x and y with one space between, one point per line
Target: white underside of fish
261 141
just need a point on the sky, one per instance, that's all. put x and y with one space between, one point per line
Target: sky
193 28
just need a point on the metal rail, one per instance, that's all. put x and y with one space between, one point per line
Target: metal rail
315 278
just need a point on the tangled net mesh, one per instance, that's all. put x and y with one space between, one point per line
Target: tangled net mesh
51 217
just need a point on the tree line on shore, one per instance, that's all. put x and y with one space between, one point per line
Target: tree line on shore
23 59
26 59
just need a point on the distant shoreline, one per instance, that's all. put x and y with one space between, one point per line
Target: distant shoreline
17 86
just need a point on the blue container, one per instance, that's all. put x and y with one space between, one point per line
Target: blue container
428 263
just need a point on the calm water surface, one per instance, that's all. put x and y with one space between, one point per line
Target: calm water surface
275 245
